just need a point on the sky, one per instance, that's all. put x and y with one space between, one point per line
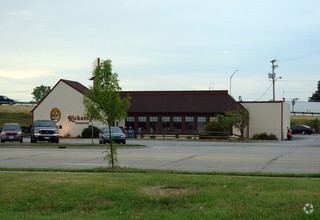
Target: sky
163 45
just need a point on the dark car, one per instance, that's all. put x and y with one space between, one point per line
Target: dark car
11 132
116 133
302 129
6 100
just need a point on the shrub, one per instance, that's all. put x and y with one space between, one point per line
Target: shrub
213 126
67 134
264 136
272 137
87 132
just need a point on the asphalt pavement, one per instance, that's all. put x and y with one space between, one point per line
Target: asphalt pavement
300 155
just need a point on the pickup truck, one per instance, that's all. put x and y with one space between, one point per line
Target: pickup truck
45 130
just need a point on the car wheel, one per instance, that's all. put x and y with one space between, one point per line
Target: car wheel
57 141
21 140
2 141
100 141
124 141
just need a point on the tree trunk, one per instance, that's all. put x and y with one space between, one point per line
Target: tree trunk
111 147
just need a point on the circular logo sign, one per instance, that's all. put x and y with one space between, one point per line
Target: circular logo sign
55 114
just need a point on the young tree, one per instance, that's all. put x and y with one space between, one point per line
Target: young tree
103 102
316 95
239 118
40 92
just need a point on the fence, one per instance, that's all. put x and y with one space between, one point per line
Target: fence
306 113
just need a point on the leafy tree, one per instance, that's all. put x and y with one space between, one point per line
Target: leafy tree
239 118
103 102
316 95
40 92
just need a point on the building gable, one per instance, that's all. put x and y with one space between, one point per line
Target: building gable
73 84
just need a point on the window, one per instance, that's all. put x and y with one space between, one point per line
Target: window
189 124
131 122
201 123
165 124
177 124
153 124
142 124
212 118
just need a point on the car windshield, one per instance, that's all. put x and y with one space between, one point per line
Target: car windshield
113 130
45 124
11 128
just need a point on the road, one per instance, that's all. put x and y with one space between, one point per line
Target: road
301 155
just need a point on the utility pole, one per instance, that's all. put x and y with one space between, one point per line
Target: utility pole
273 77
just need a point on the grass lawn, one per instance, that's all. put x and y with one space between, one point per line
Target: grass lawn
154 195
16 114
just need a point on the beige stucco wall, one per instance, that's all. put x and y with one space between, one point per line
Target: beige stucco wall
69 102
286 118
269 117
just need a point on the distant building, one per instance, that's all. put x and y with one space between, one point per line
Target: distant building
303 106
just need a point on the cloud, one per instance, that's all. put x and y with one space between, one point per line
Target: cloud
24 75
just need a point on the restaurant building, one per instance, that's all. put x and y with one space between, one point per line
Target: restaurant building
176 112
161 112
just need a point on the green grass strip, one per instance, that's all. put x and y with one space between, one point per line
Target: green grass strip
134 194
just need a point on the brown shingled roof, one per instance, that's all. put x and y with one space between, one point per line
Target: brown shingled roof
181 102
170 101
77 86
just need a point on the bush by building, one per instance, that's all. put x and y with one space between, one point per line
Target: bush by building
87 132
213 126
264 136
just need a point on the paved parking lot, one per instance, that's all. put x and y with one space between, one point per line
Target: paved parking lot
300 155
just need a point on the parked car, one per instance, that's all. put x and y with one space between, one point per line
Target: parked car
45 130
116 133
11 132
6 100
302 129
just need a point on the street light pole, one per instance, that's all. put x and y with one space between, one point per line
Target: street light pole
231 78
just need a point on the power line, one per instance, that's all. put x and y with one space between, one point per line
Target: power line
265 92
